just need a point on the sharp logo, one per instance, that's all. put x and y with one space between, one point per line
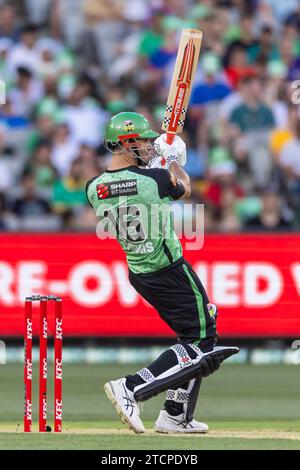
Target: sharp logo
116 188
127 184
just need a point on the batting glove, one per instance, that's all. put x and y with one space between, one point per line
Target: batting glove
169 152
210 365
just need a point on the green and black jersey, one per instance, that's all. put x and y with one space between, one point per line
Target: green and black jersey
133 205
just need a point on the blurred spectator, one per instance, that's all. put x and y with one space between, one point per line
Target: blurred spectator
252 114
30 203
271 217
221 171
5 47
290 155
64 150
289 58
265 47
6 176
229 220
9 27
241 34
126 58
83 220
116 99
43 130
50 53
69 193
281 9
3 225
38 10
213 88
87 155
275 93
196 164
153 37
251 121
294 18
289 162
67 21
41 167
284 134
85 118
105 20
24 54
10 117
237 66
230 103
26 94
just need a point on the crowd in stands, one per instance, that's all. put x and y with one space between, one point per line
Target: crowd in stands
66 66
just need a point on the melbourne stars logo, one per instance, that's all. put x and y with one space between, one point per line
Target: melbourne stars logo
128 126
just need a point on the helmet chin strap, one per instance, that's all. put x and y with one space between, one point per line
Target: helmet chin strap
140 161
136 152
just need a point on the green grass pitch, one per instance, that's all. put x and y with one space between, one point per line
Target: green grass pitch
246 407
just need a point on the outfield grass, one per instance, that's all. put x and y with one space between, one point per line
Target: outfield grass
256 407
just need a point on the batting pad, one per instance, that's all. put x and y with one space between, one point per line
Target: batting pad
179 374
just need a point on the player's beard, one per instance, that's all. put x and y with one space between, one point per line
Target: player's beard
145 154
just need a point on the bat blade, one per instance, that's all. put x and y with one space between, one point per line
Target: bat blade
182 81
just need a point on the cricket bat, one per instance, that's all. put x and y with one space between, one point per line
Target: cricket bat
182 81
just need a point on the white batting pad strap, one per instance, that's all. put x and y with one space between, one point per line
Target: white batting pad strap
182 355
195 348
180 395
146 375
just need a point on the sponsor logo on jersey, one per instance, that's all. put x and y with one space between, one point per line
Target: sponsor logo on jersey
102 191
117 188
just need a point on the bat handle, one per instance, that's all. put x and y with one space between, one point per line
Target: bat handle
170 138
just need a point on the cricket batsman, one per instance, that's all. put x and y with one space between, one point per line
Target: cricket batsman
124 198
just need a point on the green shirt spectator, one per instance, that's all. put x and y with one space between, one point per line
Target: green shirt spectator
152 39
150 43
248 118
41 166
69 192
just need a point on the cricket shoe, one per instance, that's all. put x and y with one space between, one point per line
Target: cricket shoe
166 423
126 406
